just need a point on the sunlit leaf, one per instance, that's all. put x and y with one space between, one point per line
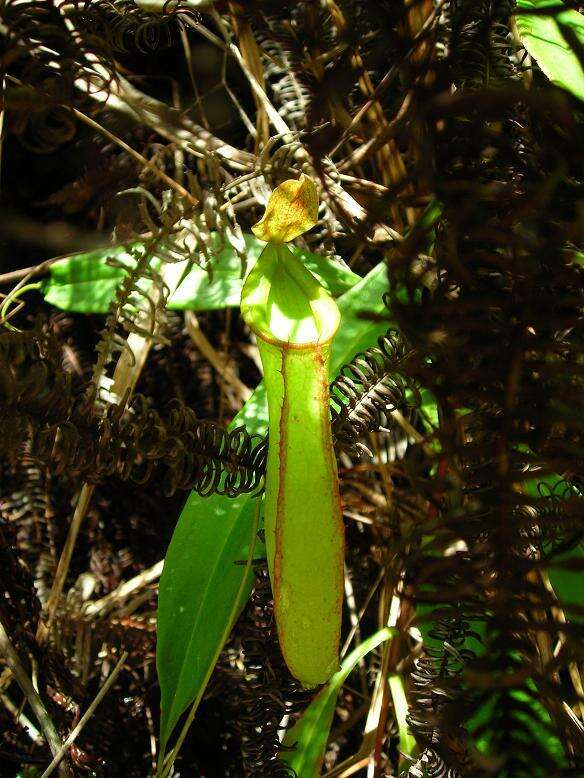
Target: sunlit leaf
197 593
555 41
200 293
85 283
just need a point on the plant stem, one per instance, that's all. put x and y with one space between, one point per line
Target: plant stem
31 694
64 561
86 716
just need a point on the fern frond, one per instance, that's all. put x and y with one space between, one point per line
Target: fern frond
66 432
369 389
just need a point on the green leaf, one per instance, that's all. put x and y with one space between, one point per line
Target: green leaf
407 742
555 41
534 716
84 283
197 592
201 579
198 293
567 584
310 733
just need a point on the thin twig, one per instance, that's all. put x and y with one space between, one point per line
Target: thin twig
167 122
81 509
361 613
26 272
355 623
124 590
137 157
220 364
23 680
146 110
23 720
277 121
86 716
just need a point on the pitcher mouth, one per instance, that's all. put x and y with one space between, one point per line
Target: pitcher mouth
285 305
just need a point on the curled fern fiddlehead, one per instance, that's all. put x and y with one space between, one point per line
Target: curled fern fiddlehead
40 403
432 693
66 432
369 389
48 61
268 692
144 26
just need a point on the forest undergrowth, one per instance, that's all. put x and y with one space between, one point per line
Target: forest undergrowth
140 143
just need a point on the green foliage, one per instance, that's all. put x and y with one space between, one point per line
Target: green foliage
468 527
556 42
201 577
198 597
531 713
86 283
407 742
568 583
566 572
308 737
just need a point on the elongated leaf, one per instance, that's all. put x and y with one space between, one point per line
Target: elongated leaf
407 742
200 582
538 720
201 579
85 283
556 42
310 733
